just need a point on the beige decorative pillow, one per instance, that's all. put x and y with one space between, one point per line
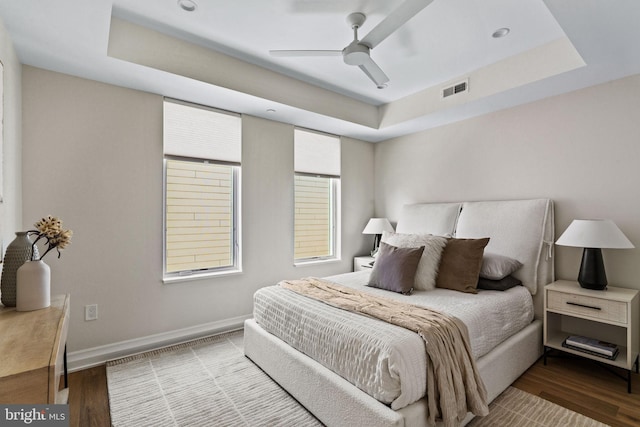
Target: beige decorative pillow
460 264
395 268
428 267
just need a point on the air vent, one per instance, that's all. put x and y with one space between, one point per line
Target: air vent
455 89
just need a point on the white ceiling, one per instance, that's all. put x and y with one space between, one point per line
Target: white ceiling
446 40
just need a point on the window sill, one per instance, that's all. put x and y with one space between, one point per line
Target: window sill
201 276
316 262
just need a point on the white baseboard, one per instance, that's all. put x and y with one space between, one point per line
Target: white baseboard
83 359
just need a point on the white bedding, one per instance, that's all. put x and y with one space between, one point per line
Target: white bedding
386 361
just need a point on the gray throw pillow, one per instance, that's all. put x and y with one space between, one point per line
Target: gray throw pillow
428 266
496 267
498 285
395 268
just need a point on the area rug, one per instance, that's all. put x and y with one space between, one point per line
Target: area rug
518 408
209 382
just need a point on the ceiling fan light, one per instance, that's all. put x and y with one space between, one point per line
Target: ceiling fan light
355 53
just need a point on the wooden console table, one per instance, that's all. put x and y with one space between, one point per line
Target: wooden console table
33 349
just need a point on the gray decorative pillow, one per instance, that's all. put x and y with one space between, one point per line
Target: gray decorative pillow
428 267
496 267
395 268
498 285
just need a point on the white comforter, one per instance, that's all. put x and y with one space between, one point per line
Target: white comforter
386 361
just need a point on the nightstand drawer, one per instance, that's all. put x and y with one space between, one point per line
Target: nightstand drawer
597 308
362 263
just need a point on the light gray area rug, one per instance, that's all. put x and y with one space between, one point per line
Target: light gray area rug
518 408
209 382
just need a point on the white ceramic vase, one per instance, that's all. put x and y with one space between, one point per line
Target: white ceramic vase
33 286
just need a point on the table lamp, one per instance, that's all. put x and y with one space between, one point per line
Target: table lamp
593 235
377 226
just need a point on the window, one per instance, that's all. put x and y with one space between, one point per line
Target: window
317 187
202 175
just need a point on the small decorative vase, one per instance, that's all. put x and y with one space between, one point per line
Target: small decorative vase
18 251
33 290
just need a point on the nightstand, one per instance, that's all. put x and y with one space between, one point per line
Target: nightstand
362 263
611 315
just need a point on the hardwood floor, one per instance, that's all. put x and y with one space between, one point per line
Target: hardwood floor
585 387
577 384
88 398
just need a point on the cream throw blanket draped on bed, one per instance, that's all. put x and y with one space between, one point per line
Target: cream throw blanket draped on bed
454 386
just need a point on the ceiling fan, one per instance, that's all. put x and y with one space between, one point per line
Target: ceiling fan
358 52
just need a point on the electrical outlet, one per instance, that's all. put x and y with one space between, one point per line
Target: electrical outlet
91 312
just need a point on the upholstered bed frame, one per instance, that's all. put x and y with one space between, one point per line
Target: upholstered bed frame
522 229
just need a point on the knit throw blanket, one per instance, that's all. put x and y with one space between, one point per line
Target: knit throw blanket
454 386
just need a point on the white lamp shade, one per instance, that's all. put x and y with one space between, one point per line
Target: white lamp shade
377 226
594 233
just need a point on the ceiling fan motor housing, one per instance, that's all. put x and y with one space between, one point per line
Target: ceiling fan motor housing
355 53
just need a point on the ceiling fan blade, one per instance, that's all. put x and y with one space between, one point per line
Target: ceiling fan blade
374 72
395 20
305 52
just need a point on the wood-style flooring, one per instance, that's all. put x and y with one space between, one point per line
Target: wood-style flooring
585 387
89 398
577 384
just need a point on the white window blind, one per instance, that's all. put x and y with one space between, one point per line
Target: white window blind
316 153
201 132
317 181
202 171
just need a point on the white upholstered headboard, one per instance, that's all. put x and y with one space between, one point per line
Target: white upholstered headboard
520 229
429 218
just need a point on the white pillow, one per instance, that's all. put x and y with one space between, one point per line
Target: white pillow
428 266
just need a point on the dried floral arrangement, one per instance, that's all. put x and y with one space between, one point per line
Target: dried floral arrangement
50 229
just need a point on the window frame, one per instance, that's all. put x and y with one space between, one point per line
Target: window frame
334 206
334 197
236 265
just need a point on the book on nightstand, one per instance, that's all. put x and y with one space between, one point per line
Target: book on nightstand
592 346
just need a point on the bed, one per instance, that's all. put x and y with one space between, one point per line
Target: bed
358 370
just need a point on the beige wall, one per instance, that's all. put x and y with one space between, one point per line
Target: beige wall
93 156
581 149
11 165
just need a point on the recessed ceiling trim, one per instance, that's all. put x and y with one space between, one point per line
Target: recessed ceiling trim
139 45
551 59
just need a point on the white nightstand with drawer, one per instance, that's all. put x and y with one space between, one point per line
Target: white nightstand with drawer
611 315
362 263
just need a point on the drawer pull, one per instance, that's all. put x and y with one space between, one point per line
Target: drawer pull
583 305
